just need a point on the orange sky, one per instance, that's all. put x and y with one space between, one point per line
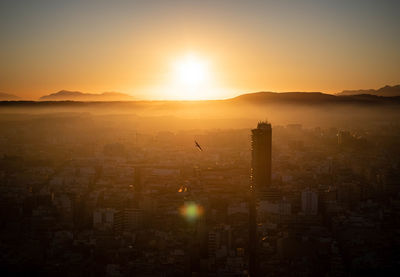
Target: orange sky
130 46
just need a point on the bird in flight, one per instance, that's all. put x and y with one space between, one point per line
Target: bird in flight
198 146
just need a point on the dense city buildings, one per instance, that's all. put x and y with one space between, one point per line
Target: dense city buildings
81 197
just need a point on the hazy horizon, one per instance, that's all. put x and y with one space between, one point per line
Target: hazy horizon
197 50
133 98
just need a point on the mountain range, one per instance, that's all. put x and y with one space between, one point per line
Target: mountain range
8 97
65 95
362 95
387 91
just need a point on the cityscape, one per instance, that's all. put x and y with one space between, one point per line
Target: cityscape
275 200
213 138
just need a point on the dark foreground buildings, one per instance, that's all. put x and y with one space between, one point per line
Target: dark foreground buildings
73 206
261 142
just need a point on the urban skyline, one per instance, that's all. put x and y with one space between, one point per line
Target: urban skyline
180 138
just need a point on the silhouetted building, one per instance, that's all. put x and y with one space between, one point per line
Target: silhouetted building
344 138
103 218
128 220
309 202
261 143
138 179
212 244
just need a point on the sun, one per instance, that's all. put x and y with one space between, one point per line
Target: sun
192 77
191 71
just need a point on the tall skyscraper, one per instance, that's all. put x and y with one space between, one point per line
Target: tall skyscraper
261 142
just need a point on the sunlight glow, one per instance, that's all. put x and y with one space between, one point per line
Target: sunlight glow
191 71
191 77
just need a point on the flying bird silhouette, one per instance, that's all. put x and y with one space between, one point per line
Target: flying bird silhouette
198 145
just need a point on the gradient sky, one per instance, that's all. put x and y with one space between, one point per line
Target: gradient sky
129 46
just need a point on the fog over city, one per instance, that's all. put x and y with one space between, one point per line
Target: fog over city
164 188
200 138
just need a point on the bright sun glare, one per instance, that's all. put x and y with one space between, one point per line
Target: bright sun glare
191 71
193 78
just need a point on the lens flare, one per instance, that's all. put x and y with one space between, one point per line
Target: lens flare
191 211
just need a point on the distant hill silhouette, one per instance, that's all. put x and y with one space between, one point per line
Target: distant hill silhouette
258 99
8 97
65 95
387 91
360 97
262 97
311 98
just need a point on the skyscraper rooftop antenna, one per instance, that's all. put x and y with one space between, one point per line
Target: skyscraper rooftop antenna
263 125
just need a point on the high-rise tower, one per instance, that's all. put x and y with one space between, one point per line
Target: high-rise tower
261 142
